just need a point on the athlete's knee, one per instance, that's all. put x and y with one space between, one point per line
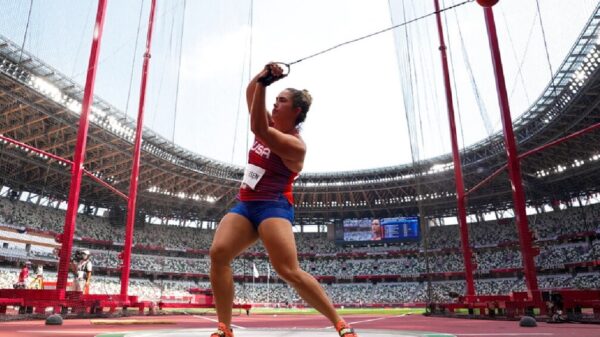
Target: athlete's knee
220 255
289 274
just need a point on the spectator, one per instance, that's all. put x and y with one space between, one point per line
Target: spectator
23 276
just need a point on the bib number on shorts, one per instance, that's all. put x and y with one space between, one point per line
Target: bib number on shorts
252 175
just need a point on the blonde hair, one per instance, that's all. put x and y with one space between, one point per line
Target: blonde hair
301 99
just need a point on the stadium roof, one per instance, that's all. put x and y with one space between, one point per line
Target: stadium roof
40 107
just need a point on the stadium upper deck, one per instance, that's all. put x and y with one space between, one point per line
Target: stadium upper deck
39 107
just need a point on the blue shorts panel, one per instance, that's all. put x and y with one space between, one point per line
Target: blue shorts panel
258 211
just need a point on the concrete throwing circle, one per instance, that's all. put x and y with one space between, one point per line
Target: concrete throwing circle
274 333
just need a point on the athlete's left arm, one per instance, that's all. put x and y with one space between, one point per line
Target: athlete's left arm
289 147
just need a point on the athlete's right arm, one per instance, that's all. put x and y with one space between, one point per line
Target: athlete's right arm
251 88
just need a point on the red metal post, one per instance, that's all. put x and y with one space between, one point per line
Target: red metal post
560 140
135 169
105 184
514 166
36 150
79 155
63 160
534 151
458 177
487 179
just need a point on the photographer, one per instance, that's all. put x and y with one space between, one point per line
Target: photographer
82 269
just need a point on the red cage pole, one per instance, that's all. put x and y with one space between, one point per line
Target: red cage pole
534 151
105 184
135 169
36 150
458 176
79 155
65 161
514 166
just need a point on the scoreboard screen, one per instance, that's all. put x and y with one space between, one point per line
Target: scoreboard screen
379 230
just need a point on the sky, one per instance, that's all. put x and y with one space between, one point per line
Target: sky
364 93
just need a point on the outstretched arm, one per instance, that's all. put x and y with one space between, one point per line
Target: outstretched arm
252 88
259 116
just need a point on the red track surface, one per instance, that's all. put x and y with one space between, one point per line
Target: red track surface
459 327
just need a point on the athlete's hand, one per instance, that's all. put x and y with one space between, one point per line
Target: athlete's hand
272 72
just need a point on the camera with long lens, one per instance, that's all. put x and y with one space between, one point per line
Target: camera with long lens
80 255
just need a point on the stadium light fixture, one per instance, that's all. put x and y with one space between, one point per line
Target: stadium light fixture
74 106
46 88
436 168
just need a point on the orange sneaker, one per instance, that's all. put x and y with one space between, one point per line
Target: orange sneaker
222 331
345 330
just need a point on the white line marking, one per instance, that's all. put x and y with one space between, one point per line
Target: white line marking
368 320
73 332
217 321
507 334
141 333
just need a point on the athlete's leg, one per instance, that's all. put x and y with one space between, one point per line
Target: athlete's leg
234 234
278 239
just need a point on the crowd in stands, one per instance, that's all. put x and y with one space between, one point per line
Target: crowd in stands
545 226
491 242
341 293
21 214
550 258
